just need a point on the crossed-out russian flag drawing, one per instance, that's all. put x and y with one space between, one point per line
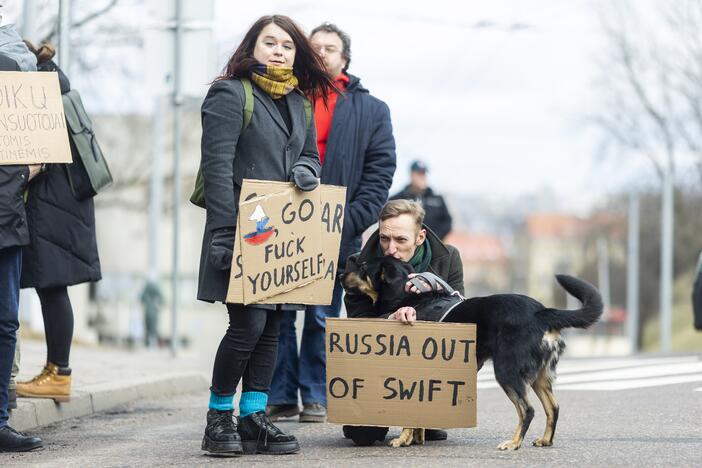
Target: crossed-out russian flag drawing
262 233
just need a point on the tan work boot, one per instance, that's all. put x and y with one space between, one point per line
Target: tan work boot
52 382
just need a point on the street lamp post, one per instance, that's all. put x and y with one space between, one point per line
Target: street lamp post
177 130
632 273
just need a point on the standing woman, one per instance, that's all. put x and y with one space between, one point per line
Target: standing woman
278 144
62 252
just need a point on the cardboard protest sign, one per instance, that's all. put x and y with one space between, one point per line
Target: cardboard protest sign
328 217
386 373
320 291
280 240
32 124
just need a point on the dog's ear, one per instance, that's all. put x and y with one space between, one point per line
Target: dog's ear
360 282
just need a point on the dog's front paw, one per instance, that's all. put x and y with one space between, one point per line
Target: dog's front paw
395 443
405 439
509 445
542 443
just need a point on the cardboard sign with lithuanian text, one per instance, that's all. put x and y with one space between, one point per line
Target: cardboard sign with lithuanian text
386 373
32 124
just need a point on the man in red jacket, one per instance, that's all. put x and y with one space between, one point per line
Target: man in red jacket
357 150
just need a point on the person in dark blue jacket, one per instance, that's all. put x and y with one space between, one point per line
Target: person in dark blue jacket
357 150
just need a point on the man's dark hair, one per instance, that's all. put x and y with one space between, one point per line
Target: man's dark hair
345 40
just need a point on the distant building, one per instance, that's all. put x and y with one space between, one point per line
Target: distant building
547 244
485 262
550 243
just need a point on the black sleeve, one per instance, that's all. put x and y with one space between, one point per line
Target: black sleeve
697 300
310 153
455 279
222 118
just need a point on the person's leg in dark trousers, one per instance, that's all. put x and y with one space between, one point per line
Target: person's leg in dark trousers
240 342
282 401
58 323
55 379
10 268
313 359
247 350
261 365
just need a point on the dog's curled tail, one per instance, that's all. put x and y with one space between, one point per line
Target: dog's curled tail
589 313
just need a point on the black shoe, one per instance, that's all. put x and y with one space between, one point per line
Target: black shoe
313 412
14 441
435 434
260 435
278 412
11 399
363 436
221 435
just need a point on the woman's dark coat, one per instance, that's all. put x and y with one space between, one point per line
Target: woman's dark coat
265 150
63 246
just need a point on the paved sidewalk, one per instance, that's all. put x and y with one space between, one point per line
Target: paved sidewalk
107 377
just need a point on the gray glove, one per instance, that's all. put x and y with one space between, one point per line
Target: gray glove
222 248
304 178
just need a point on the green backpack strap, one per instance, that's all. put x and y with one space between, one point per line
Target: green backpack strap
198 196
248 103
308 111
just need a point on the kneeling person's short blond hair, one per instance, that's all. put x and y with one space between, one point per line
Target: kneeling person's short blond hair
395 208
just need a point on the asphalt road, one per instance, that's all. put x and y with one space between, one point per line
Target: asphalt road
656 426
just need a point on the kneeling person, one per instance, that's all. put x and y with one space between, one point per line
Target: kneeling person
402 235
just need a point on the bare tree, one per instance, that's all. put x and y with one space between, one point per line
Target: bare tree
653 100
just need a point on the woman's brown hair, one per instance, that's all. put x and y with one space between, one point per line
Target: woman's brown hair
308 67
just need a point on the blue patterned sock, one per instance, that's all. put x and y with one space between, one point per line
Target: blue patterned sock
252 402
221 402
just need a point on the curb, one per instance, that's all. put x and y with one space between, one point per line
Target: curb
35 412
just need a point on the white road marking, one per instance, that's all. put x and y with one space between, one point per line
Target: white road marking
620 374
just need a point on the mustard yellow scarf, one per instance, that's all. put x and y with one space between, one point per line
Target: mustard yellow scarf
276 81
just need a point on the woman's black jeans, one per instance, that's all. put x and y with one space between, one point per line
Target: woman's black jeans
247 351
58 324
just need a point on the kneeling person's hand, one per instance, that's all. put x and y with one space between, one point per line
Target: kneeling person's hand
406 315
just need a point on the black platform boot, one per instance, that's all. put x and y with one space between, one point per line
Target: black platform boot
260 435
221 435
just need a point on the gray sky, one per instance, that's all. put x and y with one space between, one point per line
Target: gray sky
492 95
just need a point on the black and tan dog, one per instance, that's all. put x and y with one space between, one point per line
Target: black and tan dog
519 334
